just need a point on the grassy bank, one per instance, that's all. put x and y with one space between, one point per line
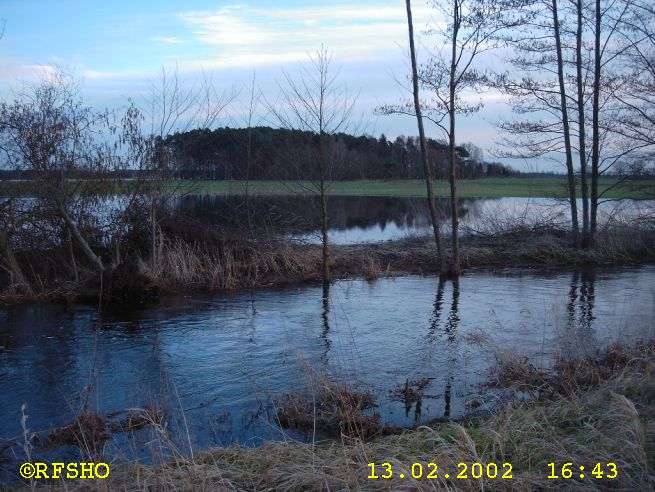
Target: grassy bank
186 267
209 265
585 412
484 188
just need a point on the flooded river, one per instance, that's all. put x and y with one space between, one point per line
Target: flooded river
217 363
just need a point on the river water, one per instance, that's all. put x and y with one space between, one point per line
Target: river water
355 219
217 363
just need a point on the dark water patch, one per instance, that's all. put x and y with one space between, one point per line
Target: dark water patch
351 219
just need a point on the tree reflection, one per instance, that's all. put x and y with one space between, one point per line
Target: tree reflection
446 396
580 311
453 315
299 214
436 314
450 330
325 317
442 335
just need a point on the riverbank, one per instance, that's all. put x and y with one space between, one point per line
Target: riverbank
594 418
186 266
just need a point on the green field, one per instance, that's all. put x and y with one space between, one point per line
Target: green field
483 188
477 188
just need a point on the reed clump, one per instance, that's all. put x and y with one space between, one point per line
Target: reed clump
234 266
90 430
332 409
569 375
87 431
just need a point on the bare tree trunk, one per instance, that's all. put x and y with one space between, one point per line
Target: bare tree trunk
595 143
249 157
582 151
72 253
86 249
12 266
451 141
436 227
567 133
153 235
324 212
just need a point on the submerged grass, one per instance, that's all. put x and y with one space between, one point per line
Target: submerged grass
608 417
331 409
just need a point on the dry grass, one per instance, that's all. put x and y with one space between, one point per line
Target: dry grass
331 409
237 266
550 246
570 375
90 430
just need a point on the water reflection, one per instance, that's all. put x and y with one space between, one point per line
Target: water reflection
438 300
442 337
447 399
325 317
580 307
450 331
352 219
369 219
453 317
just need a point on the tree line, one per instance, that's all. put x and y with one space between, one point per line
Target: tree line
223 154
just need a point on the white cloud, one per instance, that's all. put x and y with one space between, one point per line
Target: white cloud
168 40
15 71
248 37
96 74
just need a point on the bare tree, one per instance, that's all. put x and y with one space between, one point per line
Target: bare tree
11 221
254 99
9 226
49 132
75 159
540 94
473 27
636 110
316 103
175 105
436 227
580 82
566 63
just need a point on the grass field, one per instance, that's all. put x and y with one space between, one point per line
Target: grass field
487 188
478 188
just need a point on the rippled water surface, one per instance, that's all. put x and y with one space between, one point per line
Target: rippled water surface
217 363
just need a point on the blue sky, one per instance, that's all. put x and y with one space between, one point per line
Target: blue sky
118 47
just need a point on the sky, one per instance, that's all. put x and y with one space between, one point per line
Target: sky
119 47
